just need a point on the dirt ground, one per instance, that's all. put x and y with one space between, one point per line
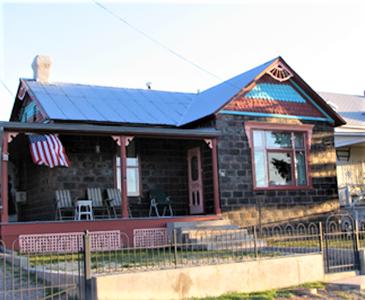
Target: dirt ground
317 290
320 293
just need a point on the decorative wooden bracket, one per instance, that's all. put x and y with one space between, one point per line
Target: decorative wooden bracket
22 91
12 136
209 143
116 139
280 73
128 139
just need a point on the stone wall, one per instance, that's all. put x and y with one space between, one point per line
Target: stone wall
246 206
163 165
88 169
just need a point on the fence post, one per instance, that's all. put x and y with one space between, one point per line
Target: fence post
255 241
174 240
320 237
87 266
357 241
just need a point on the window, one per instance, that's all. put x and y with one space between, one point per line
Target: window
133 174
280 154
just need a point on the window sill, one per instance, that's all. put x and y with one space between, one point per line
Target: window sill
284 188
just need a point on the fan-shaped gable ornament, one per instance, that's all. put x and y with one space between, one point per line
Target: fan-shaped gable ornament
280 73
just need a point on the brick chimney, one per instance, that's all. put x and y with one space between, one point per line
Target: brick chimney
41 68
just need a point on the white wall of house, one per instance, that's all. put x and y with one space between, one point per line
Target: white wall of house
357 154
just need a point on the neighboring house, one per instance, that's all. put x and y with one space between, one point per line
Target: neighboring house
349 138
257 148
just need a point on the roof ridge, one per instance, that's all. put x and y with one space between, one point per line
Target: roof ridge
108 86
227 82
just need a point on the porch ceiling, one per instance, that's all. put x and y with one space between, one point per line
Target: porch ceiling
89 129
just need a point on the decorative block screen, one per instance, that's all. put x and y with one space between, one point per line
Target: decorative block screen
149 237
69 242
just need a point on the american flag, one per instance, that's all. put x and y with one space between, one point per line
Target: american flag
48 150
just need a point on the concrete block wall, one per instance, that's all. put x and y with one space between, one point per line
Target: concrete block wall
245 206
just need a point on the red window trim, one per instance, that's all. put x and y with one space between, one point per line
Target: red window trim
305 128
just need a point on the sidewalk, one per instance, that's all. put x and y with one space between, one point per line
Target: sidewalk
350 283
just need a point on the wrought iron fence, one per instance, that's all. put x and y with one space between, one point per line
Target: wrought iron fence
61 266
50 274
202 247
341 243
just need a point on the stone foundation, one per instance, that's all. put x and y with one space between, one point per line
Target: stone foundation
250 215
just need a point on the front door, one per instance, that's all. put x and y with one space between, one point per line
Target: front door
196 200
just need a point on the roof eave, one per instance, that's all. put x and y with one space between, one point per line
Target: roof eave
88 129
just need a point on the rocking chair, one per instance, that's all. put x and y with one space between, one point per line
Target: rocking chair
64 205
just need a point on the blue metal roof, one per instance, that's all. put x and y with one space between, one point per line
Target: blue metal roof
77 102
211 100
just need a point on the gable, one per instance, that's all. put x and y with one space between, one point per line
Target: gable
276 99
278 93
29 111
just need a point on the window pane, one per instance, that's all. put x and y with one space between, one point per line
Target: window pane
258 139
132 181
194 168
278 139
118 173
280 168
132 162
260 168
301 171
117 160
299 140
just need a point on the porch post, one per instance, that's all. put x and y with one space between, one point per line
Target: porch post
217 208
4 179
123 161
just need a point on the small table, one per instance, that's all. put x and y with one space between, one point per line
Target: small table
83 208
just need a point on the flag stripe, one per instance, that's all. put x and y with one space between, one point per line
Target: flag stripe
52 149
48 150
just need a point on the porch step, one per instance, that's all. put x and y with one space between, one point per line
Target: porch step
213 235
221 234
234 239
180 227
199 224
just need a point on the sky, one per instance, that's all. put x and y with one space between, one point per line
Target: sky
323 41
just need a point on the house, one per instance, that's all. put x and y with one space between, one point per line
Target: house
256 148
349 138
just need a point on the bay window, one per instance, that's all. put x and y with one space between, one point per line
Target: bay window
279 154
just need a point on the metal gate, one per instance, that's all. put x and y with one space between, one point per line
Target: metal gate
341 243
32 269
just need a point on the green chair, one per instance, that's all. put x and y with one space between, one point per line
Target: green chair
159 199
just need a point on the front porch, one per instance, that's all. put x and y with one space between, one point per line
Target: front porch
133 160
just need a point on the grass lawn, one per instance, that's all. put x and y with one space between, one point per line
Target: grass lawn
287 293
309 291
